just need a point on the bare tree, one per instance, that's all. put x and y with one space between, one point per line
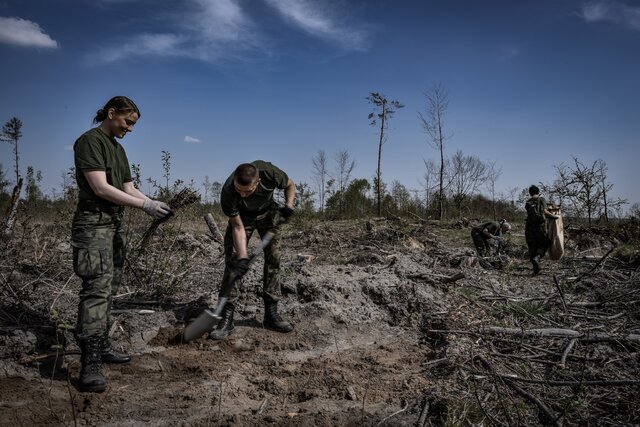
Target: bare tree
34 178
430 179
383 110
585 188
492 175
320 173
11 133
206 184
468 172
216 189
433 124
342 176
607 203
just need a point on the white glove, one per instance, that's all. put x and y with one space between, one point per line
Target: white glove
156 208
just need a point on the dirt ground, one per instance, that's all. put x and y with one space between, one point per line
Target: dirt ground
395 324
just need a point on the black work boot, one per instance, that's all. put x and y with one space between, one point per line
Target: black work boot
272 319
91 378
536 264
109 355
225 326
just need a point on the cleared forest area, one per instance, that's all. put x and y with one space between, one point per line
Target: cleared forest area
398 322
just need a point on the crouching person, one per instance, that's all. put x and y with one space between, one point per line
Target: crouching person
247 199
483 233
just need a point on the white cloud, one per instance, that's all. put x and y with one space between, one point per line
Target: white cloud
207 30
24 33
222 30
612 11
191 140
222 20
320 22
143 45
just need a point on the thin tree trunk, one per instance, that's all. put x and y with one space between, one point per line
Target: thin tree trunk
441 143
12 211
379 184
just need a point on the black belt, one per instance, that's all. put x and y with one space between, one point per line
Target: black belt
96 206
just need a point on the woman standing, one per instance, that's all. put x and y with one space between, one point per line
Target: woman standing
105 187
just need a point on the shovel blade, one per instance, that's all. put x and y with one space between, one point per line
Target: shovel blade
202 324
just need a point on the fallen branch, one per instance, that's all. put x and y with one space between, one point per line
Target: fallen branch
262 406
423 414
597 264
564 304
31 359
553 383
406 405
453 278
213 227
562 333
550 416
565 353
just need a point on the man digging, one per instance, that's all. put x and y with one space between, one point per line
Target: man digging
247 199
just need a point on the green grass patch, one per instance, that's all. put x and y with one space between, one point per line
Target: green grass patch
468 292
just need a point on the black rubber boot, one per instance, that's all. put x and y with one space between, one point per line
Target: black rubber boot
225 325
536 265
91 378
109 355
272 319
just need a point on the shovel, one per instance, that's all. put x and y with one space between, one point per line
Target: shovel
208 318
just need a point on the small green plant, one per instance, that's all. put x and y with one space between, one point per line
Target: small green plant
524 309
468 292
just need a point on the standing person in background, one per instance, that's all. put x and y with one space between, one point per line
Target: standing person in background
105 187
535 231
247 199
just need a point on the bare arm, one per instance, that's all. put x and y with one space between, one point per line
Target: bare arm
290 194
548 214
131 190
98 183
487 233
239 236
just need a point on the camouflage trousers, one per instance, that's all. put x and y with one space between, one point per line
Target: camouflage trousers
537 239
481 242
271 291
98 242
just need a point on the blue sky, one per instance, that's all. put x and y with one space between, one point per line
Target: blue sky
221 82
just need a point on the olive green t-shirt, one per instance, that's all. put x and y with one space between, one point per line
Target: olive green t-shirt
271 177
95 151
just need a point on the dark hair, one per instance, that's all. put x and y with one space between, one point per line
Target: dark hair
245 174
533 190
121 104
